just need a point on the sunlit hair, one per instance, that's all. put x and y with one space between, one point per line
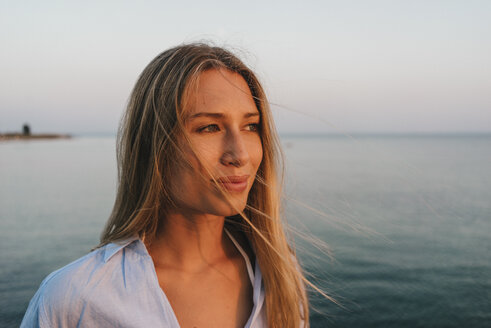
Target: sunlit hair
147 149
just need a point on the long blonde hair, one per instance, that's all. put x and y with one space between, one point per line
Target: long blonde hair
146 148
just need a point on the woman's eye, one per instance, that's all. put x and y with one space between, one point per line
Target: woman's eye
209 128
254 127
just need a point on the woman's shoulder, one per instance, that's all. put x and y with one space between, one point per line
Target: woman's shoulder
65 293
87 270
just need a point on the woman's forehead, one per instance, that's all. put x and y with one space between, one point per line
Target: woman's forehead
222 92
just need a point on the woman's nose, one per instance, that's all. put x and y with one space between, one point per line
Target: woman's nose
235 151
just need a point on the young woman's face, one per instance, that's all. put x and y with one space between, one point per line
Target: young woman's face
222 124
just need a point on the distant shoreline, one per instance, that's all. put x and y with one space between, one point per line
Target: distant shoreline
41 136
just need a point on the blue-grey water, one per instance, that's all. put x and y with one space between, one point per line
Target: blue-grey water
407 220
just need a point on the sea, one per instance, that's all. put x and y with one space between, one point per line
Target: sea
393 230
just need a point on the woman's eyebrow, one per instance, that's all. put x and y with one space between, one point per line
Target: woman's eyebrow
217 115
251 114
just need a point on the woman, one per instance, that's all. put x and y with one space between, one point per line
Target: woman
195 238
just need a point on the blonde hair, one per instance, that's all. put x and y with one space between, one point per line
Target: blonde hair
146 149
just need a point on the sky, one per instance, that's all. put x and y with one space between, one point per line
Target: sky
327 66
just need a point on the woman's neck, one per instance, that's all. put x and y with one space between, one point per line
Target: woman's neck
190 242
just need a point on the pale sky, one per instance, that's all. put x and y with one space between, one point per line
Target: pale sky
328 66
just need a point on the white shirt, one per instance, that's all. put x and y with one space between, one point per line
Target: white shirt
116 286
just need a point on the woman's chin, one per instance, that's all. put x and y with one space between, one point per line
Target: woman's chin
226 209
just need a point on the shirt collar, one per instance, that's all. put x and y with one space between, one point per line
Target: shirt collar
113 248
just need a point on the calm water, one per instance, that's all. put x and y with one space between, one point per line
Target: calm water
407 220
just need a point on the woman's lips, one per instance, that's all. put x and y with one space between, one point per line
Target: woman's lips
234 183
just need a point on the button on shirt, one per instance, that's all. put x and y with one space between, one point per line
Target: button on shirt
116 286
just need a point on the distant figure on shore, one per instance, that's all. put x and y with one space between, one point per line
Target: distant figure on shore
26 130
